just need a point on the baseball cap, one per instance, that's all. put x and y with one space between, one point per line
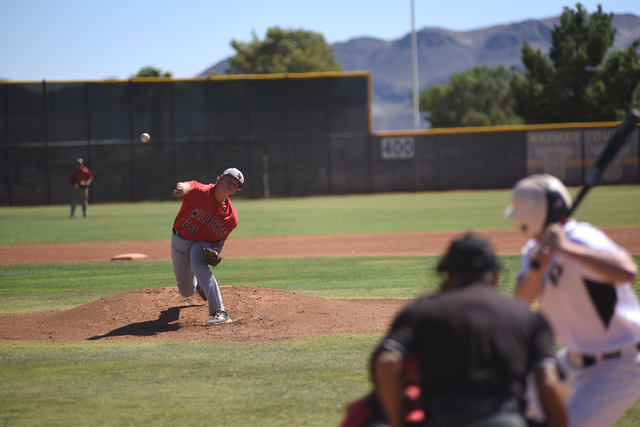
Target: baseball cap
79 160
469 254
236 174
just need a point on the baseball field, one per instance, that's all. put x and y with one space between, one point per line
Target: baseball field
311 284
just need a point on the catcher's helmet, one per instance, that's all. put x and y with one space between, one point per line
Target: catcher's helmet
538 200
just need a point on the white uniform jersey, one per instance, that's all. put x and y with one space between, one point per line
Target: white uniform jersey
587 314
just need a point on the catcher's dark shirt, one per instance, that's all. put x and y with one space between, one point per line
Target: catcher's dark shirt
471 341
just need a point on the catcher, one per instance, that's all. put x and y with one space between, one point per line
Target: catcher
200 229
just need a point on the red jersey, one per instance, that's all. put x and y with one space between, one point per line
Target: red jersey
202 217
83 175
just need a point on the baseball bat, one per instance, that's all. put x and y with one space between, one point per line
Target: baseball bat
617 140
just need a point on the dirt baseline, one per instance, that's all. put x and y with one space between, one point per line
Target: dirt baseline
259 314
505 242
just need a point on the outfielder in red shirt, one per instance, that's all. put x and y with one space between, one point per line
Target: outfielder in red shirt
206 218
80 179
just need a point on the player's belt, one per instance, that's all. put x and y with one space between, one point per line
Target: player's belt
174 231
586 360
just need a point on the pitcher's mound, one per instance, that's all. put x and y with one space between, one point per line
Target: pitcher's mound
258 314
128 257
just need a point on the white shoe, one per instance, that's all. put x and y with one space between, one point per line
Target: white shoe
220 317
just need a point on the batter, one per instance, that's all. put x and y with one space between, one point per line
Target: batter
582 281
205 219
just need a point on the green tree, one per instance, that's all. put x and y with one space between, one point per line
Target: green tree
635 98
576 83
152 72
291 51
477 97
621 78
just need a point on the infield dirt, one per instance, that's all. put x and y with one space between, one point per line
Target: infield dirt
259 314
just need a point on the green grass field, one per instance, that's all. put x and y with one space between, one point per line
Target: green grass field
311 216
297 382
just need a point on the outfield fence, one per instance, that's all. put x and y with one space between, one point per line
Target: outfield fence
496 157
291 135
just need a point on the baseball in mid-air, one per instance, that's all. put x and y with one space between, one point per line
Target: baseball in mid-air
145 137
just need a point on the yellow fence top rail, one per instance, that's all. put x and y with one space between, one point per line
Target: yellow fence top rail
506 128
274 76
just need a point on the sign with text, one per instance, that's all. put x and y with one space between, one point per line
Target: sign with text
399 147
556 152
595 140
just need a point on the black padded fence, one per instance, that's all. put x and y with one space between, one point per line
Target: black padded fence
495 158
198 128
291 135
450 161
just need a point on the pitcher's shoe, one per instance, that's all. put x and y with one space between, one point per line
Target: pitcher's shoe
221 317
201 292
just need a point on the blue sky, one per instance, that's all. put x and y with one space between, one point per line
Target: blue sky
94 40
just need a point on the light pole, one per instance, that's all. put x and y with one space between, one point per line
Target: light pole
414 63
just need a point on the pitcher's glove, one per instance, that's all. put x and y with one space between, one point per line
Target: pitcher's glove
211 256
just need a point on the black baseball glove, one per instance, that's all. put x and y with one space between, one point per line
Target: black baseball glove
211 256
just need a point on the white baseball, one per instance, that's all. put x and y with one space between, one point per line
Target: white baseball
145 137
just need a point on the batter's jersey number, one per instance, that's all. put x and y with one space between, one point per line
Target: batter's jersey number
397 147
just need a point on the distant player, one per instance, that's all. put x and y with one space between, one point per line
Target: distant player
205 219
81 180
582 281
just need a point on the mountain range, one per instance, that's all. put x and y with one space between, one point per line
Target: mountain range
442 52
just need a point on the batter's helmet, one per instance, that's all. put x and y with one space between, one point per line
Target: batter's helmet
538 200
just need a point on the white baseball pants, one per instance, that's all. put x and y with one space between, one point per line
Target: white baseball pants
602 392
598 394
